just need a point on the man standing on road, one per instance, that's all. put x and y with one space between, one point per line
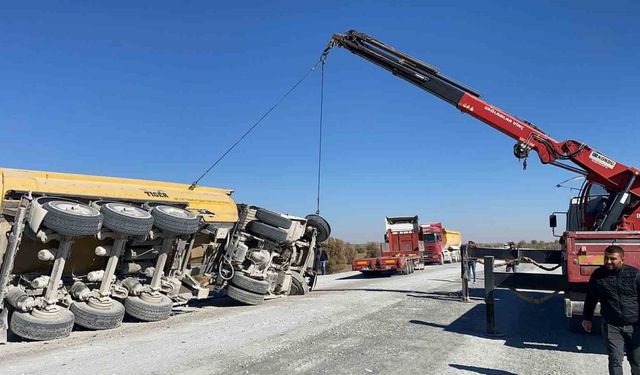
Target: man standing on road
324 260
513 265
616 285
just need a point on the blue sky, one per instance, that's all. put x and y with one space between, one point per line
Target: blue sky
158 90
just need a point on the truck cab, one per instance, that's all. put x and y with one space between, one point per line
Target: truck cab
441 245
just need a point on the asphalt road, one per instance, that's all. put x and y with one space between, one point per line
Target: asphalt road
349 325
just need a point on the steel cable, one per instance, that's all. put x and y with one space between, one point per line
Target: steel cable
278 102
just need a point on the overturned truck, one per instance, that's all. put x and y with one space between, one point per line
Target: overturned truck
86 250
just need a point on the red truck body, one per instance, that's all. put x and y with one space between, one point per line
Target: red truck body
441 245
404 252
433 243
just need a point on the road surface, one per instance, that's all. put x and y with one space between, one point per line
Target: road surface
349 325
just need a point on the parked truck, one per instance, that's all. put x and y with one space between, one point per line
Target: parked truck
441 245
606 211
403 251
86 250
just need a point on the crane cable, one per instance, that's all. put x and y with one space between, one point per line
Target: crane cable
322 61
278 102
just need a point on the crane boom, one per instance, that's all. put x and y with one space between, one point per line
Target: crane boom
623 210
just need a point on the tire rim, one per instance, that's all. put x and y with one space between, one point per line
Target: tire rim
76 209
175 212
128 210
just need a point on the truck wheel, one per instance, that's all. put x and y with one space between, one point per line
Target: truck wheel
244 296
71 218
148 311
126 219
405 270
299 285
267 231
273 218
245 282
321 225
175 220
27 326
91 317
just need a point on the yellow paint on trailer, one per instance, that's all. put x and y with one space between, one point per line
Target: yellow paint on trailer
591 260
206 199
452 237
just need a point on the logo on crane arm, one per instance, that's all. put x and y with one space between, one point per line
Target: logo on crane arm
602 160
504 117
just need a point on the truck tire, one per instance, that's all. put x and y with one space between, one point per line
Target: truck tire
267 231
72 218
126 219
90 317
244 296
322 227
247 283
273 218
175 220
299 286
146 311
29 327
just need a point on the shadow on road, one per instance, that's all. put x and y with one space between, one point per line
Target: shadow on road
481 370
448 296
521 324
358 276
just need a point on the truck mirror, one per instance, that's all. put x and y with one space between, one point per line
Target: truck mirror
553 221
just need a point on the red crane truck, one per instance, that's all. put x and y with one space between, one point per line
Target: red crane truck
404 249
607 209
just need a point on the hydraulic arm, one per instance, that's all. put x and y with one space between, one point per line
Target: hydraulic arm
622 211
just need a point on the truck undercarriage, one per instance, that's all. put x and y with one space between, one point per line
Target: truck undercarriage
86 250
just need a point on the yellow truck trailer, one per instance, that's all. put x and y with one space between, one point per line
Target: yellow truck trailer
84 250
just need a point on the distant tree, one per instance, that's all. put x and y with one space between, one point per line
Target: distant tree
372 249
340 254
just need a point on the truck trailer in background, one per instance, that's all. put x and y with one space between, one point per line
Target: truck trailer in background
403 252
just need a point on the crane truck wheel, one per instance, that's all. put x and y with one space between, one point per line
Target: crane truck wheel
273 218
126 219
247 283
244 296
267 231
108 316
299 285
175 220
49 326
148 311
72 218
321 225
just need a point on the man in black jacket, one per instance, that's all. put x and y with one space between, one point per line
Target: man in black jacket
616 286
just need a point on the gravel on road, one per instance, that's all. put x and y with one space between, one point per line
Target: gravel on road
402 324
